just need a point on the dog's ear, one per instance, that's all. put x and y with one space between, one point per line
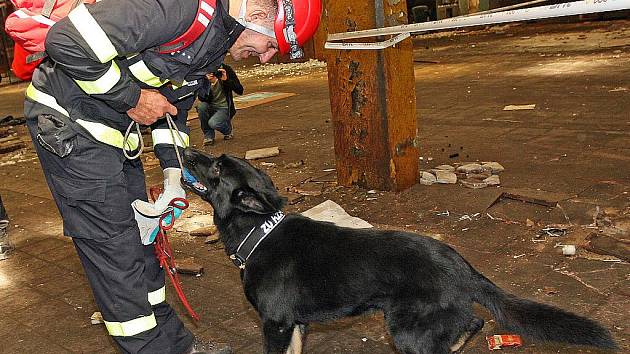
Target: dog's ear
249 201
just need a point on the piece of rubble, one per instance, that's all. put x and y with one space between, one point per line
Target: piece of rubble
97 318
189 266
427 178
332 212
294 164
204 231
493 180
536 196
470 168
473 184
445 177
478 176
445 168
262 153
212 238
307 189
494 167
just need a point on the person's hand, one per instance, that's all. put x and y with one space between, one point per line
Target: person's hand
211 78
151 107
223 74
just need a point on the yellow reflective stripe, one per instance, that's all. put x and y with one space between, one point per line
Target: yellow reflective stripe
92 33
102 84
157 296
144 74
175 86
131 327
109 135
163 136
45 99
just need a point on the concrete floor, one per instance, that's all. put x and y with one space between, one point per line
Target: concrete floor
576 141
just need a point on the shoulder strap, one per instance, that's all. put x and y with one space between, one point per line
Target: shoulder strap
205 11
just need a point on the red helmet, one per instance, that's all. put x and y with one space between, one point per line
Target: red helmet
296 22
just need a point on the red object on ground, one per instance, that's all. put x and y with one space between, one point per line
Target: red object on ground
500 341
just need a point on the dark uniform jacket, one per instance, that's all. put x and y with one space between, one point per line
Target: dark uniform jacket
230 85
101 55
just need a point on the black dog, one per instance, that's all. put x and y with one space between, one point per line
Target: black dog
296 271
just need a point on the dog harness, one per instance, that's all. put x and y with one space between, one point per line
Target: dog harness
255 236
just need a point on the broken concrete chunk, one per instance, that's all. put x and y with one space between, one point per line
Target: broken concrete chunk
494 167
212 238
427 178
473 184
262 153
445 168
445 177
189 266
96 318
478 176
470 168
331 212
493 180
204 231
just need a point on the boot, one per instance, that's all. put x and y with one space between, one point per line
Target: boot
208 347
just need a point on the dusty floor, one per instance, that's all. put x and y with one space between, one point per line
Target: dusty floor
576 142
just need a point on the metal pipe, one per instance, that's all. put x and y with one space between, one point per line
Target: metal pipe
533 13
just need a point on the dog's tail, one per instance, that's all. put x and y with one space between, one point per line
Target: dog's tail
539 321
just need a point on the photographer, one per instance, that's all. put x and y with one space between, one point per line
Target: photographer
217 105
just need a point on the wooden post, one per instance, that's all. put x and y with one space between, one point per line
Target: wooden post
373 99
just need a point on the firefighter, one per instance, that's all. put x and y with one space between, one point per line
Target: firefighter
113 63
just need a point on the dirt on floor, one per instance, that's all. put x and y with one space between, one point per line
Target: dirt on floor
572 151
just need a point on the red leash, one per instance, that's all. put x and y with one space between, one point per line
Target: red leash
164 252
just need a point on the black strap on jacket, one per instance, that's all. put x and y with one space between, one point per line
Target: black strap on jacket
255 236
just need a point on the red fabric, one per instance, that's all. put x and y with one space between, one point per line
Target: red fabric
21 69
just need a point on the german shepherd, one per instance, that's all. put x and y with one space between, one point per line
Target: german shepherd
306 271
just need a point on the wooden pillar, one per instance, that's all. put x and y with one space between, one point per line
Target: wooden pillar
373 99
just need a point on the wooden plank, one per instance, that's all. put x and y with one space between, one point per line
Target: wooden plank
535 196
258 98
372 98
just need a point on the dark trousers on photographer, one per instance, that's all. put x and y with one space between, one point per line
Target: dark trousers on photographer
214 119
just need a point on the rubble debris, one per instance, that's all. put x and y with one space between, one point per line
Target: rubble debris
445 168
287 69
536 196
554 230
529 223
470 168
97 318
473 184
332 212
189 266
493 180
262 153
12 121
307 189
568 250
212 238
10 144
204 231
445 177
519 107
500 341
294 164
609 246
193 222
294 198
494 167
268 164
427 178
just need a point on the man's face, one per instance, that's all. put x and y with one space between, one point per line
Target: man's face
253 43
